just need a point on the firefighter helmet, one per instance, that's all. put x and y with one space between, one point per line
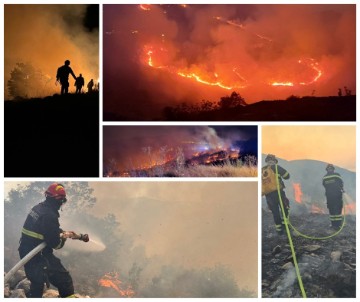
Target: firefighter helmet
56 191
67 62
330 167
271 158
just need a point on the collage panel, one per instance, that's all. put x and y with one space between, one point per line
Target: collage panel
308 211
237 76
180 151
51 75
229 62
132 239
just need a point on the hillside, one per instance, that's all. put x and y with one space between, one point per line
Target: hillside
331 108
57 136
309 174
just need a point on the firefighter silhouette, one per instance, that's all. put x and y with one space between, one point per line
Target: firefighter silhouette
90 86
62 76
79 83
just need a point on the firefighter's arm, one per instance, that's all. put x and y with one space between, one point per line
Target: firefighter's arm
52 231
341 184
72 73
283 173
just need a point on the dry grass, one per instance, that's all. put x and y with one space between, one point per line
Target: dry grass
218 171
246 167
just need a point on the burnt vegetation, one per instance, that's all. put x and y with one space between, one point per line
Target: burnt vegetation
327 267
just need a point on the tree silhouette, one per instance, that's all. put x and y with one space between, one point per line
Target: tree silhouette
25 81
232 101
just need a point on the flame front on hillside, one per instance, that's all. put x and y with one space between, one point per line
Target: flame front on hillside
297 192
112 280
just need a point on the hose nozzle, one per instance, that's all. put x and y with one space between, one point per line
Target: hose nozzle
84 237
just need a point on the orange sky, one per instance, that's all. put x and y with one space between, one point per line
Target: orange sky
334 144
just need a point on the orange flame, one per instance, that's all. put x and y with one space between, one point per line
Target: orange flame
350 208
297 192
112 280
203 79
282 84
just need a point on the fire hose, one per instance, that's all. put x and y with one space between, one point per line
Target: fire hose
301 285
38 249
319 238
288 223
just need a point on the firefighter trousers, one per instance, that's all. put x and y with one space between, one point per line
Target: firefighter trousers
48 269
273 203
335 206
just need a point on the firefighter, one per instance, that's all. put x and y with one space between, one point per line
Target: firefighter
42 225
334 188
270 190
62 76
79 83
90 86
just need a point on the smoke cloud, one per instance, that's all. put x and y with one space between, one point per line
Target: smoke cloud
47 35
245 47
194 225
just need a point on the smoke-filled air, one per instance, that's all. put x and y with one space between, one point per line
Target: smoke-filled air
42 37
150 239
161 55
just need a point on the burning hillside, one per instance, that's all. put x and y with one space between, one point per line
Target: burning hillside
177 165
327 267
172 150
194 52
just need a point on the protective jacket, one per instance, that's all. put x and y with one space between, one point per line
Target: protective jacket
333 183
41 224
269 183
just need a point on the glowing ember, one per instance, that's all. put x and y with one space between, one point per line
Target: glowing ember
297 192
112 280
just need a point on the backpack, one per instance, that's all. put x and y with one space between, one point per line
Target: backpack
268 180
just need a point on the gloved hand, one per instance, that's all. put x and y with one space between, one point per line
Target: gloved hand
68 234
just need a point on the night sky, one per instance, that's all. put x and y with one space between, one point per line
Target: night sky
162 55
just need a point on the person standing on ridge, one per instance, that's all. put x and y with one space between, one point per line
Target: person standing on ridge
42 225
334 189
62 76
90 86
270 190
79 83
